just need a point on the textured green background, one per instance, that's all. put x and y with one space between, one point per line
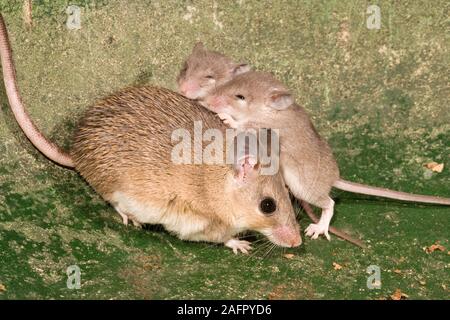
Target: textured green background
381 97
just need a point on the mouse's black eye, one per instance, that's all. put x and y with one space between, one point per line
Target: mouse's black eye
240 97
268 205
209 76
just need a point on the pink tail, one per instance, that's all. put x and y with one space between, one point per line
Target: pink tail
48 148
386 193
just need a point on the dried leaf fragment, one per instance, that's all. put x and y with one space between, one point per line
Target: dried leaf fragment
2 288
399 295
289 256
337 266
434 247
434 166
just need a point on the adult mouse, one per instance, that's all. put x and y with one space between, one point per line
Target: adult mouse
123 148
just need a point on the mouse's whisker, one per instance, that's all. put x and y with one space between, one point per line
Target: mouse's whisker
264 244
269 251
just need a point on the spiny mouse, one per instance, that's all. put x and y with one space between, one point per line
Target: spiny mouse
123 148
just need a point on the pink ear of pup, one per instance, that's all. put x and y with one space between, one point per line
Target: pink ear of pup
246 168
280 100
240 68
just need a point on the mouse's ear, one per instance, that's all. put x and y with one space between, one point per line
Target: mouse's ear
240 68
198 47
246 164
280 100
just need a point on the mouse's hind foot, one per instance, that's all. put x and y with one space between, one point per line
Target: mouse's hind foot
315 230
126 218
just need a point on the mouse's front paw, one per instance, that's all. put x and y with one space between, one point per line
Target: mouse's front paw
228 120
315 230
241 245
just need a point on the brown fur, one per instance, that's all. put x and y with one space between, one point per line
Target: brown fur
124 143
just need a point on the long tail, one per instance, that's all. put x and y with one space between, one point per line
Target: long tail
309 211
386 193
48 148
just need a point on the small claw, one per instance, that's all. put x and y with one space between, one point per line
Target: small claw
238 245
223 116
308 231
315 230
228 120
123 216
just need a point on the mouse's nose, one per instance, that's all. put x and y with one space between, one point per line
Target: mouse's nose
288 236
189 89
296 241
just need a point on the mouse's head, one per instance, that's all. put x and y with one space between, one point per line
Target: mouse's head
204 69
261 200
250 96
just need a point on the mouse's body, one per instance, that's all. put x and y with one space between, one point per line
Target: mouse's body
123 148
307 163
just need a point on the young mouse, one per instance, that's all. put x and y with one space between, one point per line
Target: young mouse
258 100
220 69
205 69
123 148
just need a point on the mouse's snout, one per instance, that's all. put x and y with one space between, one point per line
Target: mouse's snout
189 89
287 236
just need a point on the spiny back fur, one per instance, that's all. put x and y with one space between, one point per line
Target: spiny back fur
132 128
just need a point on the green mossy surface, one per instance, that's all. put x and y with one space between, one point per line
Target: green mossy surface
381 98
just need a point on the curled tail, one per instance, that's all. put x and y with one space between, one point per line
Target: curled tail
48 148
386 193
